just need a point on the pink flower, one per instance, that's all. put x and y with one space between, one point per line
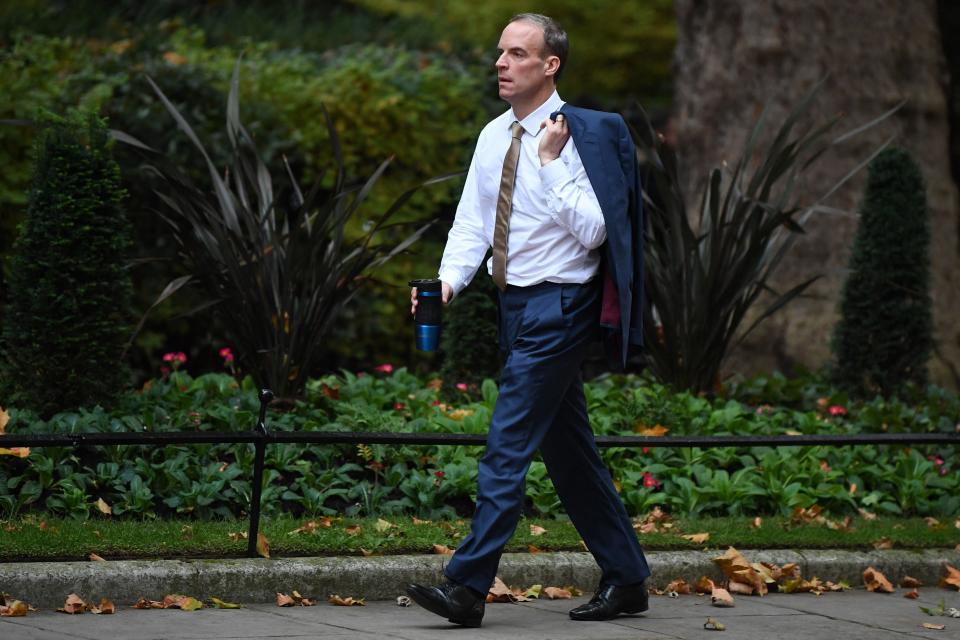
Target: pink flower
399 406
936 460
837 410
462 386
384 368
436 403
175 358
646 449
649 481
226 354
439 474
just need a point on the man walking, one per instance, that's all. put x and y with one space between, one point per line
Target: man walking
553 209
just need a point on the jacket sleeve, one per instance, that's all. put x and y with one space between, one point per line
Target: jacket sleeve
628 159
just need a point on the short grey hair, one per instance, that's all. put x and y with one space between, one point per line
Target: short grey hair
554 37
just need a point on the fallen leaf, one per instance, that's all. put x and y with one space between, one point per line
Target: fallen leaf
721 597
534 591
757 522
810 515
417 520
104 507
932 522
678 586
704 585
697 538
353 530
910 583
237 535
867 515
533 548
4 419
15 609
957 524
844 525
935 627
74 605
404 601
143 603
557 593
283 600
184 603
876 581
263 545
952 579
883 543
912 594
366 553
94 557
714 625
738 569
500 592
537 530
739 588
655 431
790 570
345 602
382 525
442 549
17 452
104 608
220 604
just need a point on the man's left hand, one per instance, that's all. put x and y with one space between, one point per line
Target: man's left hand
553 139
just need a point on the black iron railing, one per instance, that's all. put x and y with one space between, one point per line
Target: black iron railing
261 436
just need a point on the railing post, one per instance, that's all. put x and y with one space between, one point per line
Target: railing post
266 395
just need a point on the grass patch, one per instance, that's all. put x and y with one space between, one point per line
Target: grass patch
32 538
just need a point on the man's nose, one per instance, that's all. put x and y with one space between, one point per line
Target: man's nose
501 62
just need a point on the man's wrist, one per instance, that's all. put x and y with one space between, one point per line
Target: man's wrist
546 159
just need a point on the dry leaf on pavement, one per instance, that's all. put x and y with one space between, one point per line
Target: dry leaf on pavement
557 593
876 581
704 585
104 608
714 625
220 604
143 603
678 586
721 597
14 609
952 579
910 583
738 569
935 627
499 592
73 605
283 600
334 599
912 594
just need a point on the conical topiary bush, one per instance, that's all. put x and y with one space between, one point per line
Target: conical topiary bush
67 314
884 336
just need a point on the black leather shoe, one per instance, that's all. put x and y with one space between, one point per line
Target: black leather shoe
455 602
610 601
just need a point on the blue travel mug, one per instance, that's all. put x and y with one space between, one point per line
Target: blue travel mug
426 321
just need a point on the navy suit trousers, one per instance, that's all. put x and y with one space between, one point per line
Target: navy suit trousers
545 330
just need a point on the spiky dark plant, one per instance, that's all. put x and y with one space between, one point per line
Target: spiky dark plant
276 263
704 271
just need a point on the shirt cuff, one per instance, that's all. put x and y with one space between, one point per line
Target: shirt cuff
454 280
553 173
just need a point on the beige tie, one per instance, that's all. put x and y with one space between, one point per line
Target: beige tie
504 205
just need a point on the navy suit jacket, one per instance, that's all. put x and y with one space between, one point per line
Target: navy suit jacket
610 160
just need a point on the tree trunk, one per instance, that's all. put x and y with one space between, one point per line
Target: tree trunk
732 58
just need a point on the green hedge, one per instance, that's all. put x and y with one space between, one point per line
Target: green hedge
214 480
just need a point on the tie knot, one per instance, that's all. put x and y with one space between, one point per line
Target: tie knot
516 130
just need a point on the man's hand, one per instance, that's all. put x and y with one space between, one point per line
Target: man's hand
553 139
446 293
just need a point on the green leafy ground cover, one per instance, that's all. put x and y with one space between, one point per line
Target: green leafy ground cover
213 481
33 538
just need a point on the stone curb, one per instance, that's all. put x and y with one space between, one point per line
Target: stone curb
46 584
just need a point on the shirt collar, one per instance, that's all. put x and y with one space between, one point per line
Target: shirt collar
531 124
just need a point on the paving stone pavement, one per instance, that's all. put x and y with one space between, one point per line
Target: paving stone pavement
850 615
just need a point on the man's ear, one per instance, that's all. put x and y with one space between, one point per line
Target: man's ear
551 65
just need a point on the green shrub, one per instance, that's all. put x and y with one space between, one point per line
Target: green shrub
469 341
884 336
67 314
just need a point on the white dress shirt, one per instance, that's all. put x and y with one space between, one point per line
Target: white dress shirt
556 225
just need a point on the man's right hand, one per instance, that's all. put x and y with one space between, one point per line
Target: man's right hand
446 294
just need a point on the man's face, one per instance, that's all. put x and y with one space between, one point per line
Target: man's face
522 70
